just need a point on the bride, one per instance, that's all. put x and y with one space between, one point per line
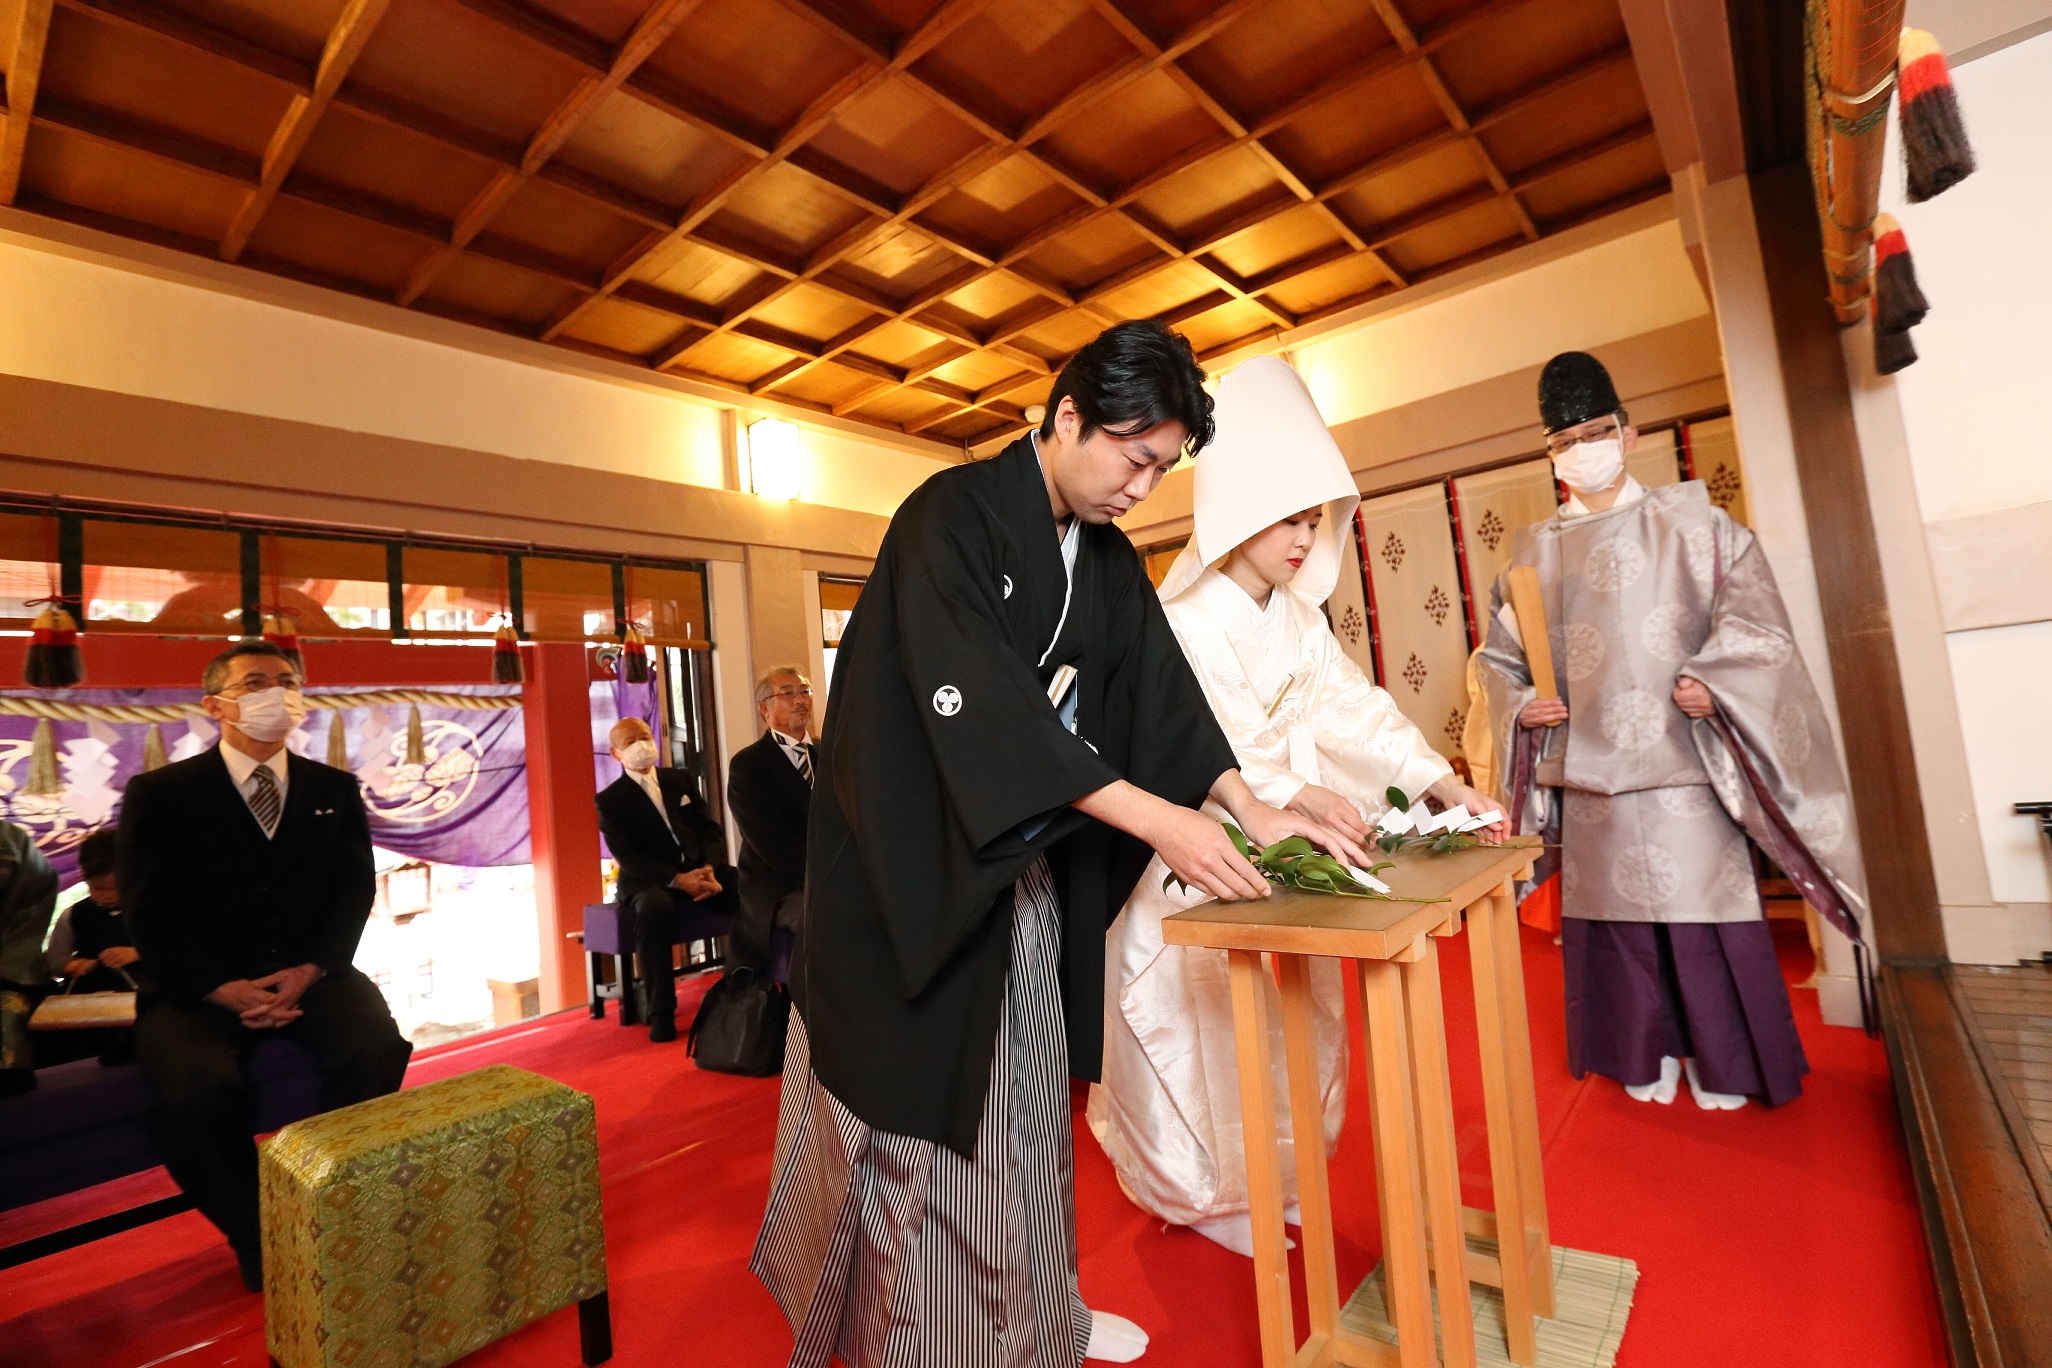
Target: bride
1313 734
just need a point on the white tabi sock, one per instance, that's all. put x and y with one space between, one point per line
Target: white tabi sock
1234 1232
1663 1089
1114 1339
1711 1101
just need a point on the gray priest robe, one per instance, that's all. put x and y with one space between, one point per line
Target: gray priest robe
949 969
1652 810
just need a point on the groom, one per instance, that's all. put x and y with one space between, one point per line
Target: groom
1013 727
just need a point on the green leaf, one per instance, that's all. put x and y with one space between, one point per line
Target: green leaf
1397 799
1291 847
1240 841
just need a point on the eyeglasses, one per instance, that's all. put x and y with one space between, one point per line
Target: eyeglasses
791 693
249 684
1557 442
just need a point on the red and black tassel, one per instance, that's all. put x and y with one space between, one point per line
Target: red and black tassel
1898 305
634 666
54 659
1934 140
282 631
506 665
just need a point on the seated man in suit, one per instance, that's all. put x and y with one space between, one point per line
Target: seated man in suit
669 848
769 786
246 875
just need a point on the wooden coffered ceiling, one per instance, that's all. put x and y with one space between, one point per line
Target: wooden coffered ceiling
900 211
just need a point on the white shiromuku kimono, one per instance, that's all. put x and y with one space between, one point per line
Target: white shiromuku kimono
1297 710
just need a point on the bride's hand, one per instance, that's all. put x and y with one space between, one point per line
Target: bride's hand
1328 809
1265 826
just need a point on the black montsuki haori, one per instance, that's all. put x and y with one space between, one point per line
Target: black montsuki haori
945 771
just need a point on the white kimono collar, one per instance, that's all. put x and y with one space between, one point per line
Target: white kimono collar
1632 492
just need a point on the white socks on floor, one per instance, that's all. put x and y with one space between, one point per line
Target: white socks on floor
1236 1232
1114 1339
1710 1101
1662 1091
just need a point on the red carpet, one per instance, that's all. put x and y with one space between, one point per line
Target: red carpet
1787 1237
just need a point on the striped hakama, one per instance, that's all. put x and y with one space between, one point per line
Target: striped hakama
894 1252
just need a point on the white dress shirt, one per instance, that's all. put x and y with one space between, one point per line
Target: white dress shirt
241 766
649 785
795 748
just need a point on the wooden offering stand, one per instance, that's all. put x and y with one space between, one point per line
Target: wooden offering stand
1424 1225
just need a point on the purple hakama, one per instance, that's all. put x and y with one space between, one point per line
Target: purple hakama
1712 991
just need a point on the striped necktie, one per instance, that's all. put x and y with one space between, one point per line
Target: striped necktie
802 753
264 801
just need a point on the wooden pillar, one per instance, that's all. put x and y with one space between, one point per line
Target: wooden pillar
1866 675
777 632
563 823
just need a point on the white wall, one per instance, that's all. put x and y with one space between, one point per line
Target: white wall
1629 285
80 321
1973 414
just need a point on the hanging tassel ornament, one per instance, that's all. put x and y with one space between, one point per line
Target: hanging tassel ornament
42 771
282 631
1898 304
416 743
634 667
54 660
338 741
506 666
1934 140
154 755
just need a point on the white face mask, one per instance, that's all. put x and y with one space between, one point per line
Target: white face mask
1591 465
639 756
269 715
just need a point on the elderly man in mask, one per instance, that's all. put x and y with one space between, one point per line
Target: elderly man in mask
1686 724
670 850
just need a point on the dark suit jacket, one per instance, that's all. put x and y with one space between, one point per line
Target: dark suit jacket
770 800
651 854
208 898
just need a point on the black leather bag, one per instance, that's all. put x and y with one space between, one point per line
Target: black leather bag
739 1028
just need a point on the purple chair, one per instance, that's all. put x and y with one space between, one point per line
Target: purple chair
607 932
84 1123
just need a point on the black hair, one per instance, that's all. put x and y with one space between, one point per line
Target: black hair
96 854
1132 377
215 678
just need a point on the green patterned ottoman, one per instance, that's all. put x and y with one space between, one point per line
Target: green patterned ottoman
406 1231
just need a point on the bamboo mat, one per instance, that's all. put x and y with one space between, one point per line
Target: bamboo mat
1592 1297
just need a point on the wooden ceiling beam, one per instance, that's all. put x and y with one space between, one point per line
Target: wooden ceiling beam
161 144
543 30
1406 38
24 76
863 396
346 40
191 31
1237 129
192 154
710 200
650 32
667 301
875 49
1255 288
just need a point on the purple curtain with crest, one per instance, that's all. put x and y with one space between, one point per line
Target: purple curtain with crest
467 805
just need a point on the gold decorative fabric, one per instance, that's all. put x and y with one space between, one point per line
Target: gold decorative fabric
406 1231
